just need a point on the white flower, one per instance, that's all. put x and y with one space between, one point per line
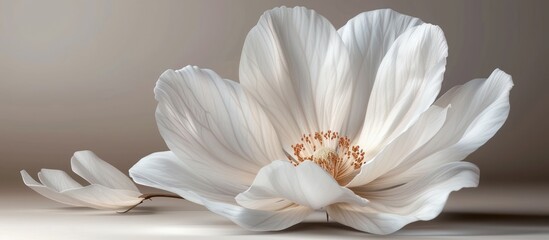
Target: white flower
345 121
110 189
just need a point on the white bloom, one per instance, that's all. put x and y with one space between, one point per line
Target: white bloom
109 189
344 121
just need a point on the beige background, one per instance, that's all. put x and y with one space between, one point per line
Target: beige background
80 74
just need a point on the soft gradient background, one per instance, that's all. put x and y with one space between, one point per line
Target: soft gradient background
79 75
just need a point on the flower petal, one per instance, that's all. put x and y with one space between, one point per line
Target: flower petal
428 124
163 170
96 171
214 127
478 109
368 36
296 65
306 184
101 197
407 83
58 186
57 180
421 199
257 220
49 192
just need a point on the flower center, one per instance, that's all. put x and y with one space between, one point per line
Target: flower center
330 151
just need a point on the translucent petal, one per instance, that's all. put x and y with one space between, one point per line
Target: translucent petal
296 65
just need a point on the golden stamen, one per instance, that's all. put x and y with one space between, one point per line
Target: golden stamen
329 150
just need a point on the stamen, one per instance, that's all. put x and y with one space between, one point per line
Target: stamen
329 150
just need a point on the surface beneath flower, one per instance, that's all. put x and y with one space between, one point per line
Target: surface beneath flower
483 213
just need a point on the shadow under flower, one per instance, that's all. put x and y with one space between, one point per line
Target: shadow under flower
447 224
479 224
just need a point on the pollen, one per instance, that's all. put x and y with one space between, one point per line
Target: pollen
332 152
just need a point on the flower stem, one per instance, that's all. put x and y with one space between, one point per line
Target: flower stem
152 195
